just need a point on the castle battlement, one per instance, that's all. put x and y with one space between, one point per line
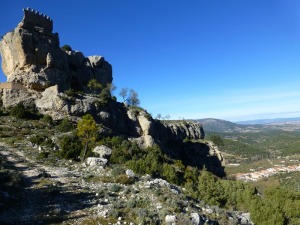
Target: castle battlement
35 19
11 86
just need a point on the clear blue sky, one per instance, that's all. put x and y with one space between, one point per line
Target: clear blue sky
233 59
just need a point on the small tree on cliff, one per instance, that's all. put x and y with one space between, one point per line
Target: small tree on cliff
133 98
66 48
86 131
130 98
216 139
124 93
94 86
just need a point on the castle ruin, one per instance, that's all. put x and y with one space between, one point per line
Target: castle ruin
32 57
39 21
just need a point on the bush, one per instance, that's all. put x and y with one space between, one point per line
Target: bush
48 119
124 179
115 188
217 140
41 140
20 112
37 139
43 155
66 48
71 147
65 125
70 92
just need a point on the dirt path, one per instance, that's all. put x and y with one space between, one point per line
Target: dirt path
50 194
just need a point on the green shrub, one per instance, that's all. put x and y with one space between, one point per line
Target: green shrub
124 179
19 111
66 48
43 155
117 170
41 140
71 147
9 179
65 125
216 139
115 188
70 92
48 119
37 139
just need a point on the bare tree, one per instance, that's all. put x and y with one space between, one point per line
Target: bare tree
133 98
130 98
158 116
124 93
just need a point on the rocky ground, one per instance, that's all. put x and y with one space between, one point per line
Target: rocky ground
50 194
64 192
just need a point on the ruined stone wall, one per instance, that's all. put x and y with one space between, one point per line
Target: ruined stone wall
12 86
33 18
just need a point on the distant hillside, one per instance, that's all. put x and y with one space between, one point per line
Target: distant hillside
217 125
270 121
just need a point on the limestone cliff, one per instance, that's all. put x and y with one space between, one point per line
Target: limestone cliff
38 71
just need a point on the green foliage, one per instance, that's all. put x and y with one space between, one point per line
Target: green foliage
42 140
65 125
115 188
208 189
94 86
43 155
37 139
86 131
71 147
70 92
216 139
20 112
124 179
48 119
9 179
257 145
66 48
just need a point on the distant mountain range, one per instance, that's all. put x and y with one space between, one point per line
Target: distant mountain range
270 121
218 125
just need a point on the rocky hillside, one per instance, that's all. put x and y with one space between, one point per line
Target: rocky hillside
37 186
54 80
48 87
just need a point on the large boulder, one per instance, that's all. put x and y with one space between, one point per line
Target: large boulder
103 151
75 58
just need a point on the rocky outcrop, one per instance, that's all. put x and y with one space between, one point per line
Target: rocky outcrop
31 55
38 71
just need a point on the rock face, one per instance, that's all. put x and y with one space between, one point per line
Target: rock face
31 55
38 71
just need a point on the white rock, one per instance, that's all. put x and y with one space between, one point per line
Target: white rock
244 218
94 161
195 218
130 173
171 219
103 151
